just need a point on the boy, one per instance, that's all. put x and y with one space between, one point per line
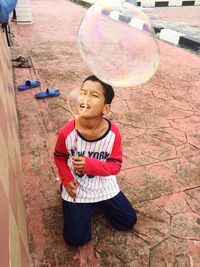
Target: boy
88 158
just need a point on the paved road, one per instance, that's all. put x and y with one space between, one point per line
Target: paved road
182 19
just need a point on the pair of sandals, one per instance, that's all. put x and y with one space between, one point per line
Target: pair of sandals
32 84
21 62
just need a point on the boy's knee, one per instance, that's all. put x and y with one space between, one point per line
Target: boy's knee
76 237
133 220
130 221
76 240
127 223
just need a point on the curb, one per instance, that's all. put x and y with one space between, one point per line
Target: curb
149 3
177 38
164 3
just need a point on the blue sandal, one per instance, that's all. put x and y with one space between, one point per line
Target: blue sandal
28 85
48 93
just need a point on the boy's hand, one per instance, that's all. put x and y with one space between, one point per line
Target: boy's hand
71 189
78 163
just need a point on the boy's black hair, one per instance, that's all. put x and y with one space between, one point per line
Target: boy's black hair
108 90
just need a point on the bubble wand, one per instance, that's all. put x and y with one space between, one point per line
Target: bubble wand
72 106
76 107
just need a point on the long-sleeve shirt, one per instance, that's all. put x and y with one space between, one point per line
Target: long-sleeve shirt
103 159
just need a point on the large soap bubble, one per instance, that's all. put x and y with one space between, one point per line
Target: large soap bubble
118 43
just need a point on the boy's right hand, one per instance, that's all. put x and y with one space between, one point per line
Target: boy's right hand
71 189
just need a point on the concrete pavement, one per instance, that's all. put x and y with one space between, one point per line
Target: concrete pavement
160 127
183 20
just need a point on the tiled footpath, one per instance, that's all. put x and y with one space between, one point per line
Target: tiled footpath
160 127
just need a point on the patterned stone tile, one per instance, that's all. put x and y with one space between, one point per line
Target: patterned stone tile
4 229
22 219
13 217
12 192
4 163
15 259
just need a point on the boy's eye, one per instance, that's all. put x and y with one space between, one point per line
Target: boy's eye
95 95
82 93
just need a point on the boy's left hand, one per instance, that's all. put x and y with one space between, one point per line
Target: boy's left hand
78 163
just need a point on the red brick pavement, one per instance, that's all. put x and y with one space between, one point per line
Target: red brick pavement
160 127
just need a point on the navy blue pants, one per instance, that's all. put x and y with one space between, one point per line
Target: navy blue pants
77 217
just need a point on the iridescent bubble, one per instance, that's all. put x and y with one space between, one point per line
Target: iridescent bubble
77 102
118 43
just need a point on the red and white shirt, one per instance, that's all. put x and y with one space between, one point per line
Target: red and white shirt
103 157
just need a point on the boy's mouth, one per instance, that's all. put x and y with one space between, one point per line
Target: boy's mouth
84 106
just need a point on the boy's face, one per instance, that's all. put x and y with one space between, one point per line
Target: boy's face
91 102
